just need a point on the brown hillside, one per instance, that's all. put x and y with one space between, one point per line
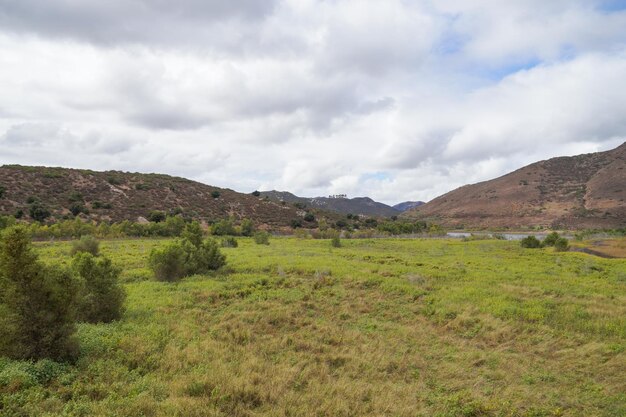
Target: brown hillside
584 191
116 196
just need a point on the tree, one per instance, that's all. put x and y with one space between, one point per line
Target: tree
168 263
551 239
223 228
309 217
262 238
156 216
38 211
247 227
256 193
38 303
193 233
101 297
530 242
561 245
86 244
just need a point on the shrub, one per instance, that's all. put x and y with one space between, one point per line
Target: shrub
75 197
229 242
193 233
38 211
309 217
262 238
223 228
530 242
2 191
247 227
101 297
340 224
86 244
156 216
256 193
78 208
37 303
561 245
551 239
19 214
335 242
168 263
142 187
184 258
296 223
6 221
215 194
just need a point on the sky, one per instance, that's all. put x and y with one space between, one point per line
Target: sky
392 99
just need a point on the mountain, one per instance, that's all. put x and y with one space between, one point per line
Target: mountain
116 196
340 204
408 205
584 191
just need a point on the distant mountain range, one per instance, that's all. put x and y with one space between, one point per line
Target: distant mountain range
340 204
584 191
408 205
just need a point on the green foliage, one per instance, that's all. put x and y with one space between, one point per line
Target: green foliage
193 233
309 217
247 227
169 263
296 223
78 208
37 303
530 242
215 194
186 257
37 210
229 242
223 228
101 298
86 244
2 191
551 239
256 193
400 227
19 213
262 238
75 197
561 245
113 180
142 187
157 216
335 242
97 205
6 221
341 224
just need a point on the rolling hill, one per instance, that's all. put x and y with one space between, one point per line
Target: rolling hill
116 196
408 205
584 191
359 205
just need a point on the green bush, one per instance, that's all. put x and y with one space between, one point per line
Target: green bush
78 208
6 221
186 257
101 298
215 194
223 228
247 227
551 239
309 217
530 242
229 242
256 193
37 303
2 191
38 211
168 263
193 233
335 242
296 223
561 245
86 244
262 238
156 216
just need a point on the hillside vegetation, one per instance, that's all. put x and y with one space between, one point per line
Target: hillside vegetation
384 327
33 192
584 191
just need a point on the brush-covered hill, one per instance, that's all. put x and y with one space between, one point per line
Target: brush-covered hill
116 196
359 205
408 205
584 191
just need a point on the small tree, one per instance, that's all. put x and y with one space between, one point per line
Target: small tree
223 228
309 217
168 263
86 244
561 245
262 238
551 239
156 216
335 242
38 302
530 242
215 194
38 211
247 227
193 233
101 297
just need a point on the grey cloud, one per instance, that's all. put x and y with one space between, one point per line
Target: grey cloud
136 21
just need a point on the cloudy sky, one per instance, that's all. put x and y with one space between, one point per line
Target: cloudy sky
394 99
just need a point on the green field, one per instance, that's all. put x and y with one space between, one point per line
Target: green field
385 327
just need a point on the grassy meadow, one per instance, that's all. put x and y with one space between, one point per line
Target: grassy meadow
382 327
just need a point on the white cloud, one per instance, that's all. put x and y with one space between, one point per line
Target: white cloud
395 100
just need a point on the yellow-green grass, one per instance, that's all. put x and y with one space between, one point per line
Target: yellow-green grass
384 327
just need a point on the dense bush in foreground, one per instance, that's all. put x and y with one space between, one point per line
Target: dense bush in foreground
189 256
